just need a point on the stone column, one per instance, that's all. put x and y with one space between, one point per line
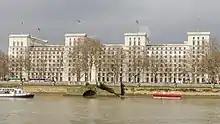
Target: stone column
93 75
65 64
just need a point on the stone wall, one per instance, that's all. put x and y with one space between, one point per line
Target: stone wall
147 89
46 89
127 84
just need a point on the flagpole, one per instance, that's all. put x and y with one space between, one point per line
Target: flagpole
38 29
198 19
78 22
21 26
137 22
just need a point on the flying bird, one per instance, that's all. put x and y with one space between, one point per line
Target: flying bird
137 21
78 22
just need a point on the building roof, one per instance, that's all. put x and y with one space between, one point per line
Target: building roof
76 35
114 45
26 35
136 34
19 35
45 41
198 33
49 45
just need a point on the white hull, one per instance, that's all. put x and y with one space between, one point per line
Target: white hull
14 95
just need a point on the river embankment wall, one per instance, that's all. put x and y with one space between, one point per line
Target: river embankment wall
131 89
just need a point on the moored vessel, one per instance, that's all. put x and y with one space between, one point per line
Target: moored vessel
15 93
167 95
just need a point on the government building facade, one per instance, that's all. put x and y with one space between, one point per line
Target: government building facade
33 58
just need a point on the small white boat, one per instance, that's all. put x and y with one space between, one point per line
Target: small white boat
14 93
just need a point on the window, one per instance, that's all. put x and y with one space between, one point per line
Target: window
147 80
203 42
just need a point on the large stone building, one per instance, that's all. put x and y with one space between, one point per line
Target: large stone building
33 58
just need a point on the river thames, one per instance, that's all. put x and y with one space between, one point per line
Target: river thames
77 110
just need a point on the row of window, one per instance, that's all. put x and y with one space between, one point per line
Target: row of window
149 80
46 53
48 56
47 49
165 48
76 39
199 42
17 43
39 69
134 43
203 38
44 61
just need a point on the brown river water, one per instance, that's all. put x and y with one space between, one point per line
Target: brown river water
78 110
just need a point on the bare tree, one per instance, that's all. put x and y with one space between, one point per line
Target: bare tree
211 66
78 61
13 68
95 52
155 65
168 67
4 64
21 64
83 55
60 65
41 68
20 61
210 63
114 64
28 66
192 66
138 63
51 72
28 62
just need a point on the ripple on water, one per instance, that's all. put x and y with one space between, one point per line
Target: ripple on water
76 110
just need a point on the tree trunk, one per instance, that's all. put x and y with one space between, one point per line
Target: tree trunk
155 78
78 76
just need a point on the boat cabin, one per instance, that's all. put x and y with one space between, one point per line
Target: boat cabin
11 90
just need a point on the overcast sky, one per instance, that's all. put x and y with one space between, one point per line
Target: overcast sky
167 21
